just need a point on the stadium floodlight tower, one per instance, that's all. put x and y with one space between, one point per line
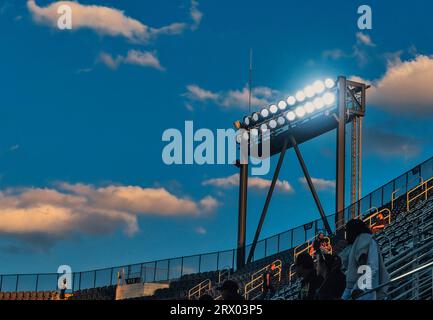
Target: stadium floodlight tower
317 109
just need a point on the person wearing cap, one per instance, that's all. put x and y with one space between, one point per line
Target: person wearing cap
310 281
229 291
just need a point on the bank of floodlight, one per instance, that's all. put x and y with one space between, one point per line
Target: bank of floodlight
290 116
247 121
300 96
300 112
282 105
319 87
273 109
309 91
264 113
318 103
272 124
291 101
255 117
317 96
309 107
329 98
281 121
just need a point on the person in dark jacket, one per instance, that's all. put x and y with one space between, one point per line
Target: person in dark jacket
229 291
310 281
329 268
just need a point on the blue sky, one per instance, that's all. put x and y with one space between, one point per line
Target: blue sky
82 113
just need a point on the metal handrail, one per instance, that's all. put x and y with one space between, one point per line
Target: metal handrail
423 184
414 271
222 273
405 275
198 290
309 244
257 277
369 218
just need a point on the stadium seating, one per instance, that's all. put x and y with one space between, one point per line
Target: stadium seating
399 242
406 243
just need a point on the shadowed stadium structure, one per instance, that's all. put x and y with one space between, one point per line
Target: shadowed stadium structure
400 213
406 243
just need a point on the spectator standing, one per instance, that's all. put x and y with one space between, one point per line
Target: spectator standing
310 281
362 250
329 268
230 291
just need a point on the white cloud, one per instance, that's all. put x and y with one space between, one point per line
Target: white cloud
103 20
405 87
365 39
71 209
194 92
196 14
359 50
256 183
133 57
319 184
260 96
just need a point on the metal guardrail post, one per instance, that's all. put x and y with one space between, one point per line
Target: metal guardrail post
278 243
168 270
16 284
79 282
154 272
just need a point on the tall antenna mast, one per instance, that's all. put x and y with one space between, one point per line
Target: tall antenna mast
250 81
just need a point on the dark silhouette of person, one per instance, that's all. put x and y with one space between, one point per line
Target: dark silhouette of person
230 291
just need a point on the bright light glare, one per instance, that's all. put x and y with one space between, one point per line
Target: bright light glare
281 121
300 112
291 116
319 87
329 98
254 132
319 103
246 136
309 107
273 108
264 112
264 127
291 101
300 96
282 105
329 83
272 124
247 121
255 117
309 91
